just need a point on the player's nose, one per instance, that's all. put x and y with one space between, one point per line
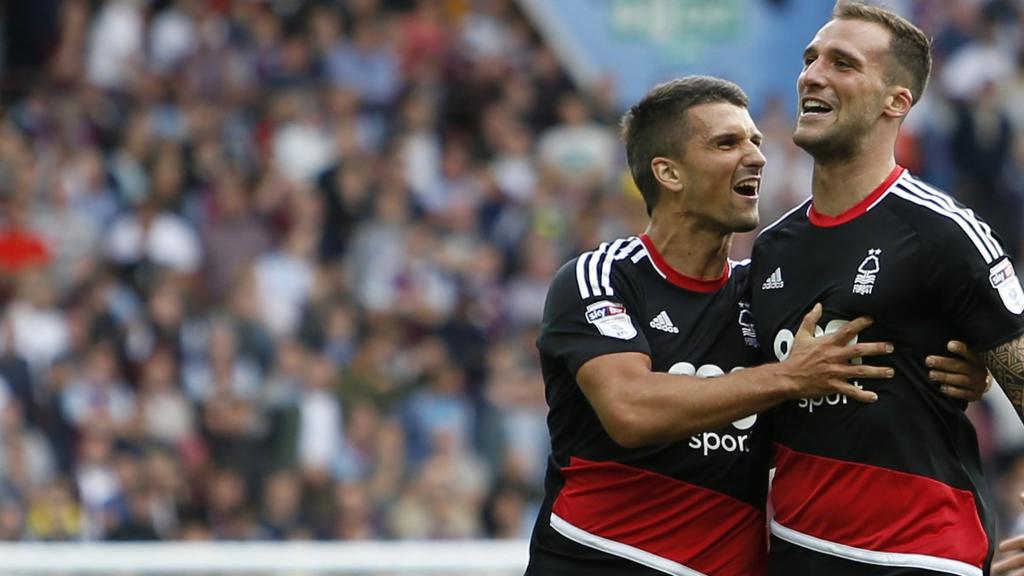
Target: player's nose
810 76
755 158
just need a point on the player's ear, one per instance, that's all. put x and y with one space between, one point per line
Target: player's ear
667 173
898 101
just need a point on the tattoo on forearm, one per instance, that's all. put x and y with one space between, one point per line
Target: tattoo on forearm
1006 363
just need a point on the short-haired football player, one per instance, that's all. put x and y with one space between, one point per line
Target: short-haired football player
895 487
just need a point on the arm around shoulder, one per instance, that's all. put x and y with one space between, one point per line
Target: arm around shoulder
639 407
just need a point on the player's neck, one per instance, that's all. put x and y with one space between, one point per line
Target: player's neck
692 251
839 185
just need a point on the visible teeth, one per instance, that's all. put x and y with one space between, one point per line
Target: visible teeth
814 106
746 188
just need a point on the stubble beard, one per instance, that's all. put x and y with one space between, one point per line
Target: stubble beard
826 147
745 223
837 143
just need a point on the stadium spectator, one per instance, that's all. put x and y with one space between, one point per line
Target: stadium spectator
164 415
99 398
281 515
20 247
54 513
26 457
232 235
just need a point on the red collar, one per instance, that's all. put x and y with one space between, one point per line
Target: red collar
680 279
819 219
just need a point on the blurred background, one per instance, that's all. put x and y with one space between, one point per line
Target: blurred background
274 269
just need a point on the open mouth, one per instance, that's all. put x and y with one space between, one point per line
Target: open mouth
814 107
748 187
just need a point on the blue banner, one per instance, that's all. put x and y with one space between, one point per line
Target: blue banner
756 43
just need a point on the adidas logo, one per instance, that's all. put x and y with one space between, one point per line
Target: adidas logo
664 323
774 282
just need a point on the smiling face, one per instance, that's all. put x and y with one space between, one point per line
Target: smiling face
720 168
842 88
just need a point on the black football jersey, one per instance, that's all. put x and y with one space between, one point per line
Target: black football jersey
689 508
893 487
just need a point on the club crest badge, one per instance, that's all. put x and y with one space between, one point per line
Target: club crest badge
864 282
746 321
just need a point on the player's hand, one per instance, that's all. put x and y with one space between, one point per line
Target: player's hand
821 366
964 377
1011 553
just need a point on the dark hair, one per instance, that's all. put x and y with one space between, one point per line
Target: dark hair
910 50
658 125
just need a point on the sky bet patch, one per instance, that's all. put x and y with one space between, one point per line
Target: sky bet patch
1005 281
611 320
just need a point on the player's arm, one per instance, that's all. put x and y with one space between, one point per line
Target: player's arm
977 292
1006 362
639 407
962 375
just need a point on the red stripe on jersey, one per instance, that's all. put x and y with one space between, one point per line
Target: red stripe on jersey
694 526
825 221
680 279
876 509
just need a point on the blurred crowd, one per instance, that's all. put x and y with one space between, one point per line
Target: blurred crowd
274 269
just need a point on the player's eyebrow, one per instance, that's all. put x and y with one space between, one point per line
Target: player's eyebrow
724 136
733 135
835 53
848 56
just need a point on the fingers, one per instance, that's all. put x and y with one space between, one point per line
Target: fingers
1015 547
959 386
965 377
952 380
810 320
960 349
856 393
1008 564
851 329
965 393
1012 544
952 366
865 371
867 349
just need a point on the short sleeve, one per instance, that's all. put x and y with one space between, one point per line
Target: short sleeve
582 321
977 286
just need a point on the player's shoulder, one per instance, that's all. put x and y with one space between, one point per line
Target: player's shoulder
601 271
796 215
739 269
940 219
739 275
924 205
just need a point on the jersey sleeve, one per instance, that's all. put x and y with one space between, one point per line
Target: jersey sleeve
584 319
977 286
